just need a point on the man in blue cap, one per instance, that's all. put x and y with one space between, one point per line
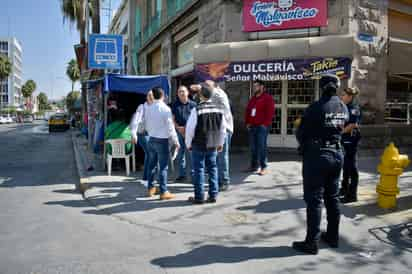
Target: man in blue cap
319 137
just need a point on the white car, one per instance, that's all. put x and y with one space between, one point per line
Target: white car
2 120
9 120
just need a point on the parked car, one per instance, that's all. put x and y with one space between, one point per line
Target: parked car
9 120
59 121
2 120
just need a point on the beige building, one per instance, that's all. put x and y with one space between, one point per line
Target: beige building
178 37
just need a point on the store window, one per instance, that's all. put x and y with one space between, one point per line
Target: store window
155 61
185 50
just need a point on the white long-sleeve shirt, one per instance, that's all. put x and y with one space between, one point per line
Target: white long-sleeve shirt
220 98
159 122
191 127
136 119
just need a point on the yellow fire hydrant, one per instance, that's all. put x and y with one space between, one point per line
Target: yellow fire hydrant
391 167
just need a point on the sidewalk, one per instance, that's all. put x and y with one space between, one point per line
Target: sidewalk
261 210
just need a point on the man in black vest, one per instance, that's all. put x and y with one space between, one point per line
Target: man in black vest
205 136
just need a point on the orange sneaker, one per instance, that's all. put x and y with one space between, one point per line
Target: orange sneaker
167 196
152 191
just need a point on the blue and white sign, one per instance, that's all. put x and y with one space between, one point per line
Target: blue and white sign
105 51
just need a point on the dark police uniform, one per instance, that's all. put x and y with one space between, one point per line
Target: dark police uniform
319 136
350 165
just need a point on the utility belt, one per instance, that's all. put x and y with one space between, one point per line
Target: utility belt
323 144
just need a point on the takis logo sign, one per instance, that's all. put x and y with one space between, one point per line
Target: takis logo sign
273 13
283 14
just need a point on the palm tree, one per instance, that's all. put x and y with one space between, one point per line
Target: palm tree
73 11
5 67
73 72
27 90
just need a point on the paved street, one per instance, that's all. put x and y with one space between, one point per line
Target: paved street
43 229
46 227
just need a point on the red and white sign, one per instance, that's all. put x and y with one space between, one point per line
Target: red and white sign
264 15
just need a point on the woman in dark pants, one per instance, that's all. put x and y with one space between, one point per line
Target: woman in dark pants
350 140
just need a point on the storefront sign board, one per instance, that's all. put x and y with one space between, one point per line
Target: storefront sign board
275 70
265 15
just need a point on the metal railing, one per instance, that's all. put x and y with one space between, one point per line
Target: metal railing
398 113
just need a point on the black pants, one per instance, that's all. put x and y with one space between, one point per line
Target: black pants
321 173
350 170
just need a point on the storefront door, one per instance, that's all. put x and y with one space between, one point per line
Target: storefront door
291 99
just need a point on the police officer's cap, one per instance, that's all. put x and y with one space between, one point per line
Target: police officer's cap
329 80
351 91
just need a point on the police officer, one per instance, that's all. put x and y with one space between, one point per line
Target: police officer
350 139
319 137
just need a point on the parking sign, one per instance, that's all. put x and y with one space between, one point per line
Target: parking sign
105 51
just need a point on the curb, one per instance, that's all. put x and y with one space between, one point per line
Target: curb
83 184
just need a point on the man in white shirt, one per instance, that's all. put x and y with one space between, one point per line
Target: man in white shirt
220 97
204 136
160 128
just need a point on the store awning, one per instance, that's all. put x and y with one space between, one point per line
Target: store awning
135 84
400 52
327 46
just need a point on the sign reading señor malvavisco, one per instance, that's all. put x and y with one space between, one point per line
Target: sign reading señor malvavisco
267 15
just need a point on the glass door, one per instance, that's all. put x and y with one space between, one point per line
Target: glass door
300 94
291 100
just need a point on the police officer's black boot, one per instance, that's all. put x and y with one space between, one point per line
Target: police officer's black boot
328 240
306 247
344 188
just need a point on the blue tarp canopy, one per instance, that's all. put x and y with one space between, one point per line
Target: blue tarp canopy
135 84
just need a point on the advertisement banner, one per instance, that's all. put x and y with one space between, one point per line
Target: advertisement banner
274 70
264 15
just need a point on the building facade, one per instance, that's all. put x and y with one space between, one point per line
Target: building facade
10 89
286 43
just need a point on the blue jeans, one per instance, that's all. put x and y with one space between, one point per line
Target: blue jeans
158 152
181 156
143 139
200 160
223 161
258 146
321 173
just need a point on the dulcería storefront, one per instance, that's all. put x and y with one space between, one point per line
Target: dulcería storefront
290 69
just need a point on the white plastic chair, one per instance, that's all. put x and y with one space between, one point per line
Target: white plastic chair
119 152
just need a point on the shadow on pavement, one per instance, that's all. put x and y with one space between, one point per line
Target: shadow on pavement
210 254
399 235
372 209
275 206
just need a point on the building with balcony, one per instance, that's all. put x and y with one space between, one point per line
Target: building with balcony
120 25
10 89
285 43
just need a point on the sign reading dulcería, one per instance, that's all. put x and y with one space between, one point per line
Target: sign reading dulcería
283 14
275 70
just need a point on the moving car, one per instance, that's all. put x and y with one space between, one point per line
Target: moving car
59 121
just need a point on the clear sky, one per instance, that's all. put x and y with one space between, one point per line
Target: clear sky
47 43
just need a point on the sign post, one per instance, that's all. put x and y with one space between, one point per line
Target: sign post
105 51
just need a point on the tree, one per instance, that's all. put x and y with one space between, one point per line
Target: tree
5 67
71 98
43 101
73 12
28 88
73 72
